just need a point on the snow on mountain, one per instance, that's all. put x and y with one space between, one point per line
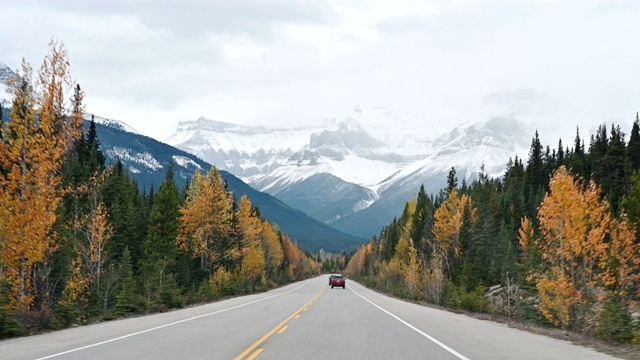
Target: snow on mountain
5 98
468 149
117 124
244 151
5 74
372 157
185 162
232 137
487 144
145 159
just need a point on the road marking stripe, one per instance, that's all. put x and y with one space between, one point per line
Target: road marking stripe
297 316
284 328
255 354
437 342
170 324
267 335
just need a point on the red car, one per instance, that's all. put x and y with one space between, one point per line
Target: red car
337 280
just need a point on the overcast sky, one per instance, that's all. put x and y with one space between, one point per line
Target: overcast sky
151 63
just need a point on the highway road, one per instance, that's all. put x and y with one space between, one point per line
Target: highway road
305 320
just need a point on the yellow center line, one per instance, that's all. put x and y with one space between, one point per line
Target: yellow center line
255 354
297 316
273 331
283 329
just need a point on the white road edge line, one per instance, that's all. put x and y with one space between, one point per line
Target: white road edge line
170 324
436 341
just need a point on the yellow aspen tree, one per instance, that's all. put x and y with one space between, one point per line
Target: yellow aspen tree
574 223
75 295
356 264
435 277
273 253
411 265
405 263
249 224
205 219
530 249
293 257
32 155
448 224
97 231
620 268
252 268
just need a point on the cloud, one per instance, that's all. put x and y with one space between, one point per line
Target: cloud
198 18
291 62
523 101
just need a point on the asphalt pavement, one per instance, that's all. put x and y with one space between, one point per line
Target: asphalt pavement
304 320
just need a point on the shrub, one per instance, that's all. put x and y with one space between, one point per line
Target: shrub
615 323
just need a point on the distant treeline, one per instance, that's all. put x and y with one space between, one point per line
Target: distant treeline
80 242
555 241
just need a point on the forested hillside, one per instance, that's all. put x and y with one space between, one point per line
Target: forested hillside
554 242
80 242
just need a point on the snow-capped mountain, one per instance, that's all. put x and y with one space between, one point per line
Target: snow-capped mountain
147 159
110 123
355 174
5 74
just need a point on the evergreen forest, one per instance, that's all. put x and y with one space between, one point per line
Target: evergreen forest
555 242
80 242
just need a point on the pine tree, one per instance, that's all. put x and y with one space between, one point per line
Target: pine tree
631 202
615 158
633 149
160 247
576 159
422 223
560 156
119 195
391 240
452 180
127 300
597 158
95 160
535 164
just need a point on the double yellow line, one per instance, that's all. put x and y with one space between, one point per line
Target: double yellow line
280 328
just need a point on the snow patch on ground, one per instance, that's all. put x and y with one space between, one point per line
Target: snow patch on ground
144 159
185 162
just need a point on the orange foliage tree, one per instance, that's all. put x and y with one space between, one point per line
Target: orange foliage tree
447 226
620 270
205 219
273 253
31 156
574 225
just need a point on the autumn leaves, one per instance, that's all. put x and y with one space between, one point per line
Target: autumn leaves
80 241
587 255
34 142
258 253
575 263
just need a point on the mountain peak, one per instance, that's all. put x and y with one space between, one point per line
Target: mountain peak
116 124
5 73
